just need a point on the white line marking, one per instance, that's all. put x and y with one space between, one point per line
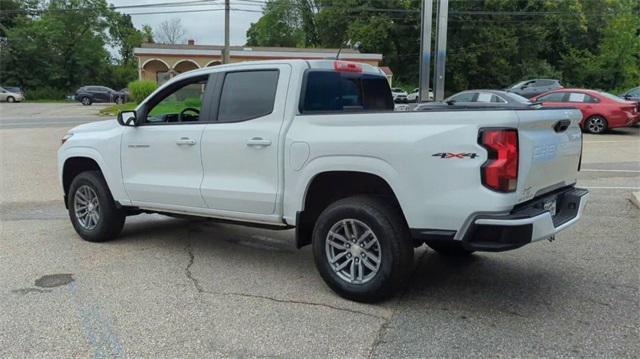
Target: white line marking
589 187
611 141
595 170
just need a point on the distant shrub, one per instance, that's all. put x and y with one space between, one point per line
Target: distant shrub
140 89
45 93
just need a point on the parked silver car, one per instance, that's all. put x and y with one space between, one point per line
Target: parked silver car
9 96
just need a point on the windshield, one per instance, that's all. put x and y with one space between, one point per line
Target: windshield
611 96
518 84
520 98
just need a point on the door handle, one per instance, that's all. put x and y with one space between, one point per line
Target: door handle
258 142
185 141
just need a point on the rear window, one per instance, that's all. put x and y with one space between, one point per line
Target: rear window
612 97
330 91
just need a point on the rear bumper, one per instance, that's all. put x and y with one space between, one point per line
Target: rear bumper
527 222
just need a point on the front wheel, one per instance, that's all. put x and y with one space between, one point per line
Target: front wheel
362 248
10 99
86 101
119 100
596 124
92 209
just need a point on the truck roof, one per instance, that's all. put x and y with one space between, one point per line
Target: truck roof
328 64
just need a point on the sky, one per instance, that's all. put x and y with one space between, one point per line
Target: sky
206 28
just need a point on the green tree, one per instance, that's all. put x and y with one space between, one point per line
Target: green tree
62 44
491 43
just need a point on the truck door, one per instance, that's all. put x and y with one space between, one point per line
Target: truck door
240 148
161 164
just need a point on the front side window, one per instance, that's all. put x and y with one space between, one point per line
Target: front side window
552 97
182 103
247 95
464 97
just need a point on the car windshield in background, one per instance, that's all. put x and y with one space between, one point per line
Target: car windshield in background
518 84
519 98
611 96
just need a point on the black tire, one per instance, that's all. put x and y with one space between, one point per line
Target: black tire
119 100
110 219
10 99
596 124
449 248
86 101
394 243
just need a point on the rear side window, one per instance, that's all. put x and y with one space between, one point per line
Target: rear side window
330 91
247 95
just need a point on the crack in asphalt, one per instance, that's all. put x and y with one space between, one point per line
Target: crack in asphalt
385 325
201 290
187 269
292 301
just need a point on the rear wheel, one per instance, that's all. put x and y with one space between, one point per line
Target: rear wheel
92 209
10 99
596 124
86 101
362 248
449 248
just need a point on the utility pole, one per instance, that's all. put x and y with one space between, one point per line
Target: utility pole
441 49
425 49
225 59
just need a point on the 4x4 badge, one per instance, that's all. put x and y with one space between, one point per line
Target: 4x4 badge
455 155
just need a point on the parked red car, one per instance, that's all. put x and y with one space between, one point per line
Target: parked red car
600 110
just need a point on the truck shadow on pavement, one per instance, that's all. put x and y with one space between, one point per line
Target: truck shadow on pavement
223 258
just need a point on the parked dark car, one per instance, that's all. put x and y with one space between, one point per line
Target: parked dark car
90 94
478 98
632 95
530 88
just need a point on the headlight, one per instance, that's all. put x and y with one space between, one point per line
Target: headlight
65 138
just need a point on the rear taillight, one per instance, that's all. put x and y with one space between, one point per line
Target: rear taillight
500 171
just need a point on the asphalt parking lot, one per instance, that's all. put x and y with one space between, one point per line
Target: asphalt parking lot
178 288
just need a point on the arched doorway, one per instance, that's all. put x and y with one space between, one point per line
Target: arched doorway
155 70
214 63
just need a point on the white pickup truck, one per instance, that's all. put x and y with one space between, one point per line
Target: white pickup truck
316 146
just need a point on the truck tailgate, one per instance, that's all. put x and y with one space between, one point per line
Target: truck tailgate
550 142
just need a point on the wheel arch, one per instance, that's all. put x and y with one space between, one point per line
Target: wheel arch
75 160
328 186
73 166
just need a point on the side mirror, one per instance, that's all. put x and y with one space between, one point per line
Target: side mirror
127 118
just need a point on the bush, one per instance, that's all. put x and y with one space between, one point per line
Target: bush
140 89
45 93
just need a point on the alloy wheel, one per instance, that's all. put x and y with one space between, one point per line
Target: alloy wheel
596 124
86 207
353 251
